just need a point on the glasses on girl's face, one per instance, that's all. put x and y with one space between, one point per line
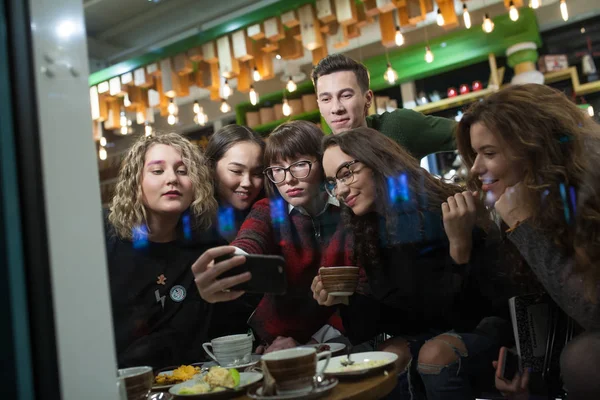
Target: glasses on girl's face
299 169
343 175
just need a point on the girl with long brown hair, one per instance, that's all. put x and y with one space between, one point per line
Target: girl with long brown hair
416 254
536 156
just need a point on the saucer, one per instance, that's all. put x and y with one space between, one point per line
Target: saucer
321 390
254 358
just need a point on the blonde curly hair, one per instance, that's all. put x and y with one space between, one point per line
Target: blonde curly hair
127 210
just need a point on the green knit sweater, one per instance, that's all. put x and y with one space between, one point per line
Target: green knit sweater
419 134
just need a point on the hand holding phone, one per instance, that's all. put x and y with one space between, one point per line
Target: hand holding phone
268 273
211 288
509 380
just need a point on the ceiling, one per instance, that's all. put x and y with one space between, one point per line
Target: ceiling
121 29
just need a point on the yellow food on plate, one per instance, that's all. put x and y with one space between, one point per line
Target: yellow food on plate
181 374
218 376
196 389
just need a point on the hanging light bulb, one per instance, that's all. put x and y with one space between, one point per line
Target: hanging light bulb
226 90
466 16
196 107
563 10
124 130
102 153
103 141
172 108
201 118
590 111
535 4
440 18
256 75
147 129
286 109
291 85
390 75
513 13
123 119
253 96
399 37
225 107
488 24
171 119
126 101
428 55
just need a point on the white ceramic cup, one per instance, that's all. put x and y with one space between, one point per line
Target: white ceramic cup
230 351
294 369
134 383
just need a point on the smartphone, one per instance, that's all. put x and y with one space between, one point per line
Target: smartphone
508 363
268 273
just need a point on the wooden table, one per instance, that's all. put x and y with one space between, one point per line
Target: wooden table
370 388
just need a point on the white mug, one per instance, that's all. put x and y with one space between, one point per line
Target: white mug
231 350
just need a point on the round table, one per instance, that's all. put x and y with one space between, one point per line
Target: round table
372 387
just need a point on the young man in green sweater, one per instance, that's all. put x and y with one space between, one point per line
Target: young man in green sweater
344 97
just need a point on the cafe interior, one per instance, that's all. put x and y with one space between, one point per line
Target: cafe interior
89 84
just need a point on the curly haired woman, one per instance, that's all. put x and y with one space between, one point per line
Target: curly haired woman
157 226
536 155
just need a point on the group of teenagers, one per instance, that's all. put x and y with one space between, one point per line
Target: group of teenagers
438 261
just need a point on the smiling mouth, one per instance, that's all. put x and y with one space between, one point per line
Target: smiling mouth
242 194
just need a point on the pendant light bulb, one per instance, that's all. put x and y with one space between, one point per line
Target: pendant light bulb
291 85
225 107
126 101
196 107
201 118
226 90
466 17
513 13
428 55
399 37
172 107
102 153
590 111
488 24
535 4
253 96
123 119
390 75
286 109
563 10
256 75
103 141
440 18
148 129
171 119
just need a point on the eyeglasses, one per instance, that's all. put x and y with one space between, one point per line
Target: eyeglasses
299 169
344 175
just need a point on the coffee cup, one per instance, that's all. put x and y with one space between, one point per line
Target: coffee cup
230 351
135 383
339 281
294 370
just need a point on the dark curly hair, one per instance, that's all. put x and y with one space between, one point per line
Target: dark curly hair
388 161
558 147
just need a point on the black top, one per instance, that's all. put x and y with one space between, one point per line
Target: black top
158 315
418 288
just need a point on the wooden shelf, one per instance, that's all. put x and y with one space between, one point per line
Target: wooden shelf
571 74
314 116
453 102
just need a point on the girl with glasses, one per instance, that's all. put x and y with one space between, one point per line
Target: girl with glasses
299 221
417 256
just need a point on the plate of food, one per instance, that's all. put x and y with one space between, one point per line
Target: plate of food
360 363
166 379
217 382
332 347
